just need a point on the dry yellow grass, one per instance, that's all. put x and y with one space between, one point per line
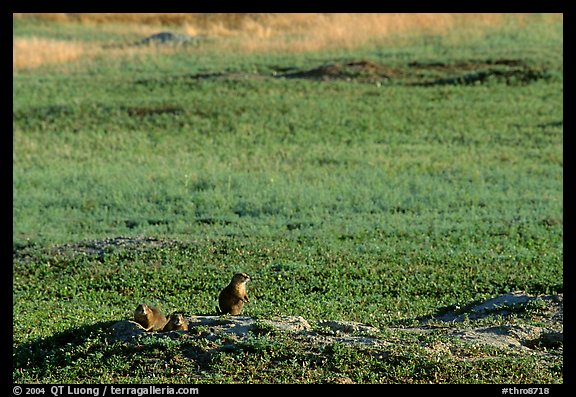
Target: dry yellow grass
35 51
313 32
262 32
279 21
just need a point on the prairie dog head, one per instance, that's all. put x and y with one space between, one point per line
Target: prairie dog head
142 309
177 319
240 278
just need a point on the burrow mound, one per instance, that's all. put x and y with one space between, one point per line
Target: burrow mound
513 72
362 71
470 72
546 311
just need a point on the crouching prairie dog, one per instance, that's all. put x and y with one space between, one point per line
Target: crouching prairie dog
149 317
231 299
176 322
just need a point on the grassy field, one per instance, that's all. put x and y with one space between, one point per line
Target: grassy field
376 182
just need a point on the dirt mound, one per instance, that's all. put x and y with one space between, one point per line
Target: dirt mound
242 327
477 72
362 71
529 322
523 322
547 307
512 72
467 72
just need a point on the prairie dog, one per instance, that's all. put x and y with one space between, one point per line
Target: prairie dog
149 317
176 322
232 298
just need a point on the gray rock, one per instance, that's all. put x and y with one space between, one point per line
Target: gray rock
171 39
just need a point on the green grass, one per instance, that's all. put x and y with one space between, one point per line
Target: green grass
342 200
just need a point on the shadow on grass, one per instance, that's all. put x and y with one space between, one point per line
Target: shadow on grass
65 348
60 349
94 345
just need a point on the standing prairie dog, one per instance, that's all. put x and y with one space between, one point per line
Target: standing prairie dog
149 317
176 322
232 298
